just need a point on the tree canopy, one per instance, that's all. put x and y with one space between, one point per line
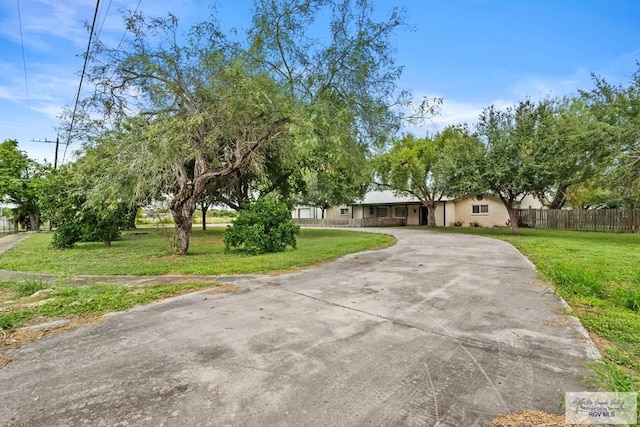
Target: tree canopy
19 181
410 168
618 108
175 115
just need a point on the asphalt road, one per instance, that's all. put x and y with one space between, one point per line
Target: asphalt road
440 329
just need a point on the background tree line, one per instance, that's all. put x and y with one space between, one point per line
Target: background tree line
580 152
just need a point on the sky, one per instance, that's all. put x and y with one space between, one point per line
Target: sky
471 53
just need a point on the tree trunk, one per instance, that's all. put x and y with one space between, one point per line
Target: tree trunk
34 220
182 208
204 208
131 220
560 197
513 218
431 215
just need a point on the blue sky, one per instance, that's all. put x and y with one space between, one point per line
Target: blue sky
472 53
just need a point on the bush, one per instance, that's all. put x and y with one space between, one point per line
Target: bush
262 227
66 235
90 225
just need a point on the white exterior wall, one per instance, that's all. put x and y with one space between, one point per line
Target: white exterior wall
530 202
304 212
450 217
497 215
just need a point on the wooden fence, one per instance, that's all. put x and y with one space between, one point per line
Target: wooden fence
360 222
611 220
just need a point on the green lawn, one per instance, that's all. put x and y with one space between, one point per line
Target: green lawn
148 252
20 304
145 252
599 276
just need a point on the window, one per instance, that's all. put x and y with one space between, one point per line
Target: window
480 209
382 213
400 212
372 211
344 211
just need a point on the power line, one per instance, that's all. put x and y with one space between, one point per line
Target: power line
84 69
24 66
57 142
125 30
104 19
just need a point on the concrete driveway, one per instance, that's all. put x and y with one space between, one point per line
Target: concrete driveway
440 329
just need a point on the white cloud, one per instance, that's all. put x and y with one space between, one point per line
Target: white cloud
533 87
452 112
12 93
537 87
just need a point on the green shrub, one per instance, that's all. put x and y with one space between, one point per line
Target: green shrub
79 212
66 235
262 227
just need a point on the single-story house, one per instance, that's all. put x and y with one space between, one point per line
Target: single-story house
480 210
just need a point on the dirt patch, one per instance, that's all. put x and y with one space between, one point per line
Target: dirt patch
16 338
4 360
272 284
227 288
19 337
601 343
543 284
583 310
557 322
529 419
6 294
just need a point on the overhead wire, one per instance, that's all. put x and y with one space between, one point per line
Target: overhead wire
104 19
125 30
24 66
84 69
122 40
86 59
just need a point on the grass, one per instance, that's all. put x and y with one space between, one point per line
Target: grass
599 276
20 305
141 252
148 252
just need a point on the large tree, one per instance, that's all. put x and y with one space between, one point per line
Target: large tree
184 114
410 169
432 168
19 178
583 147
618 106
516 159
347 85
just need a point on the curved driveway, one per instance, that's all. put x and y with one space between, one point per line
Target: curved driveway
440 329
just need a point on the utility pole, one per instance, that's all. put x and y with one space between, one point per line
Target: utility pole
57 142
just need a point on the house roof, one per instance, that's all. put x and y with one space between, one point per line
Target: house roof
387 197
